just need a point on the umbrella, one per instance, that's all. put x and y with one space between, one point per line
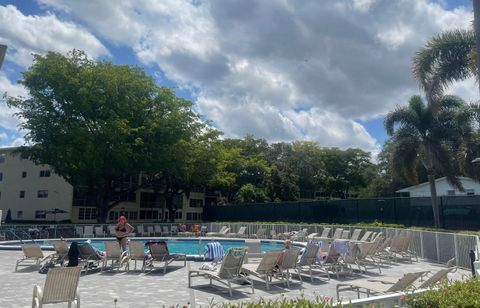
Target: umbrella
55 211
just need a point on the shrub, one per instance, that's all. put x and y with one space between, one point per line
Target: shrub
301 302
458 294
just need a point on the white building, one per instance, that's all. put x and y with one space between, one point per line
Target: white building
31 191
444 188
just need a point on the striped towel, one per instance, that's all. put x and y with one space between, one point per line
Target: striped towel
214 251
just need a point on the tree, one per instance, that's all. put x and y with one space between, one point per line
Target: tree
426 135
99 125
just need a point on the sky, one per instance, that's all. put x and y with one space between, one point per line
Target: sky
283 70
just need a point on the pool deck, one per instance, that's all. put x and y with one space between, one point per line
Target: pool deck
136 289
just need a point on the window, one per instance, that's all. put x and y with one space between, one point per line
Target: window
194 216
22 194
24 174
19 214
451 192
196 203
178 215
87 213
1 176
42 194
147 200
470 192
2 158
40 214
44 173
0 195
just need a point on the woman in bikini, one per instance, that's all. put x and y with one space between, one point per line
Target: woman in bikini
122 231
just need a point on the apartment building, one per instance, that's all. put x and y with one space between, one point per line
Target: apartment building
35 193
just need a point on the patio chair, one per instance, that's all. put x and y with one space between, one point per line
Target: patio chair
150 231
356 234
114 254
431 281
230 271
260 233
79 231
31 253
159 253
88 232
89 256
337 234
165 231
141 231
136 252
112 230
203 230
359 254
366 236
309 262
273 234
61 252
157 230
61 285
240 233
99 232
299 235
326 233
334 261
288 262
266 269
174 230
399 249
345 235
379 285
223 232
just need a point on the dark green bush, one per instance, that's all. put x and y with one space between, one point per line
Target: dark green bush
457 294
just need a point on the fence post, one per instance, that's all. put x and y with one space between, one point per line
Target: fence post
455 244
422 252
436 246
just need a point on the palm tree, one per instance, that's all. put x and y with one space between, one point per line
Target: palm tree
428 135
446 58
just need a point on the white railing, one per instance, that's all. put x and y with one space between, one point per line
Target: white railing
438 247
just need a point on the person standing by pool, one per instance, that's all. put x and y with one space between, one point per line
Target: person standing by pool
122 231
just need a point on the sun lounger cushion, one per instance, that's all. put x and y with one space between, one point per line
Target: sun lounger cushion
342 247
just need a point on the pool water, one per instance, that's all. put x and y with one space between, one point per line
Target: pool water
189 246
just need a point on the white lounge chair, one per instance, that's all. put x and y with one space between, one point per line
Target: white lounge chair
287 263
136 253
223 232
88 232
99 232
113 253
165 231
260 233
308 262
112 230
61 252
90 257
61 285
79 231
150 231
31 253
229 271
240 233
157 230
379 285
266 269
356 234
159 253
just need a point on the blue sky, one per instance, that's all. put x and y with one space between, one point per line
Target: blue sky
292 70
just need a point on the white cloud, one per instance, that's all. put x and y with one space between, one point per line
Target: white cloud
27 34
282 70
7 119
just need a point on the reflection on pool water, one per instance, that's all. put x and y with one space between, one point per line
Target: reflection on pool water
186 246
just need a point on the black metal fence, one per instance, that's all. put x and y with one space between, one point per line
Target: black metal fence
457 212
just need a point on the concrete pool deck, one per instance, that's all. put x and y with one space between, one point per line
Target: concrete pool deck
137 290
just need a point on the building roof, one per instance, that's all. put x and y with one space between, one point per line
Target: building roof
408 189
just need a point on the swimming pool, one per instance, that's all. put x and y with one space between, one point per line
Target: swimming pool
175 245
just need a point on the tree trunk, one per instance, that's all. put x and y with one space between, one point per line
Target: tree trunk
476 27
433 193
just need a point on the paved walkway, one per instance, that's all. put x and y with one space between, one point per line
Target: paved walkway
136 289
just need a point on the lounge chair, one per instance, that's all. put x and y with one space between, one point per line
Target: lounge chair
240 233
223 232
112 230
174 230
334 260
309 262
88 232
288 262
337 234
136 252
399 249
356 234
266 269
90 256
31 253
113 253
230 271
150 231
345 235
79 231
299 235
165 231
61 285
157 230
273 234
366 236
141 231
99 232
159 253
379 285
61 252
260 233
326 232
203 230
